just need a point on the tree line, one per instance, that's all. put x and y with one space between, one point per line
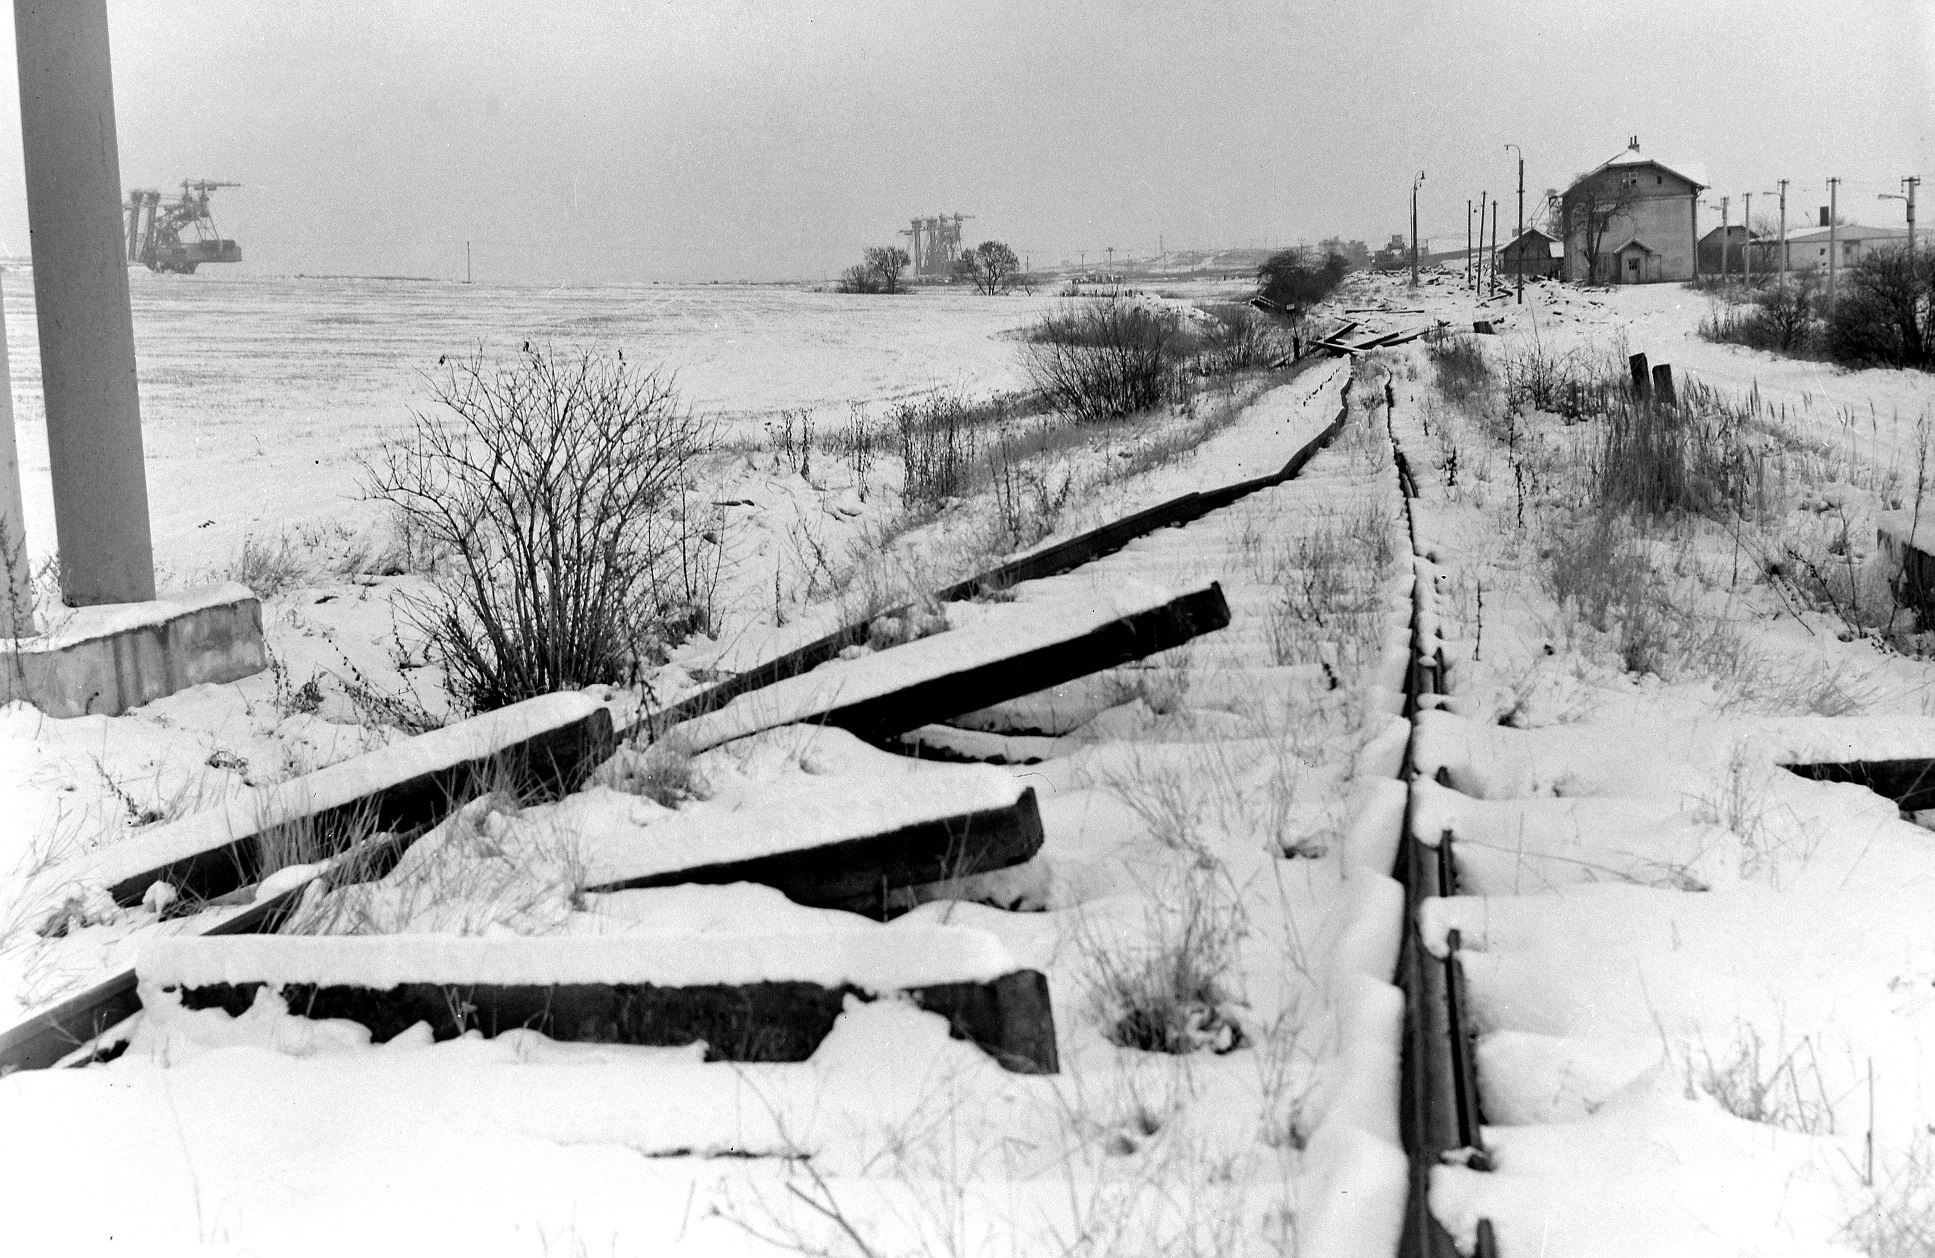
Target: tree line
990 267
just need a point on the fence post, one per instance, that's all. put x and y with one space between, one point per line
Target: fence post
1663 385
1642 383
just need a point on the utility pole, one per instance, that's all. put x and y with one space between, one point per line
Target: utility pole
1481 244
1494 253
1518 241
1783 228
1747 250
466 262
1910 182
1726 230
1468 253
1834 236
1414 228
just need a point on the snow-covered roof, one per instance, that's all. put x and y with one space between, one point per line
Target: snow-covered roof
1694 172
1848 231
1635 241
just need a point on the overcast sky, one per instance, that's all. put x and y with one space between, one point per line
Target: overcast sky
577 140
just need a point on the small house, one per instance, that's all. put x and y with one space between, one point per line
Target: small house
1532 254
1723 251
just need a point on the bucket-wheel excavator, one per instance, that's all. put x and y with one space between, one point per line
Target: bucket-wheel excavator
156 230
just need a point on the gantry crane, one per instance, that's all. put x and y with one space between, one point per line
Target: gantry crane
935 243
155 230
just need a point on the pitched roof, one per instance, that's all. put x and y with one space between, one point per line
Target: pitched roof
1630 243
1847 231
1694 173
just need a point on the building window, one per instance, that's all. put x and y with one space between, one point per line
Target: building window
1659 179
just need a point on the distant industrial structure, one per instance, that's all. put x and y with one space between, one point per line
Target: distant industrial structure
935 244
155 230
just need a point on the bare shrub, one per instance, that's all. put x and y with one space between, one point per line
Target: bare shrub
552 483
1235 337
1609 583
936 449
1886 318
859 278
1027 503
268 569
1764 1085
1899 1222
1101 361
1463 375
1169 995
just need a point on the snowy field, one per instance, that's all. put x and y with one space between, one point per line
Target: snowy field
258 395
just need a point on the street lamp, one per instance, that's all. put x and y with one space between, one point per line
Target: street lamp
1910 182
1518 242
1414 228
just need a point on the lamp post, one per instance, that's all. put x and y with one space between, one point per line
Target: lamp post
1909 182
1518 241
1414 228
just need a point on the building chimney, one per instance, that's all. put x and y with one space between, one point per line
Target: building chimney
1824 217
1632 145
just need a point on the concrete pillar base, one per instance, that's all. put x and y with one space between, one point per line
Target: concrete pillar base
104 660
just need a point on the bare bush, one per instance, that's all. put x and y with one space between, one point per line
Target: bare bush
1783 318
937 444
268 568
1886 318
1101 361
553 483
1463 375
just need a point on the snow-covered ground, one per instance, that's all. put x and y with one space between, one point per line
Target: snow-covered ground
1700 982
259 394
1200 811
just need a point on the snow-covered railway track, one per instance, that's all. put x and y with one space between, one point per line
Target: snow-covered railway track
1234 803
94 1024
1439 1102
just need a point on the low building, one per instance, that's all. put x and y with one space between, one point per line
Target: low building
1533 255
1808 250
1728 256
1632 219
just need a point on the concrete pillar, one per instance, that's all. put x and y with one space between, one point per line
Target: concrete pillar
81 298
16 577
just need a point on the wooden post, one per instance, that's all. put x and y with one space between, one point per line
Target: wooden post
1642 381
1663 385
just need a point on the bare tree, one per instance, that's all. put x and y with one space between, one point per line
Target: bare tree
990 266
1589 211
887 262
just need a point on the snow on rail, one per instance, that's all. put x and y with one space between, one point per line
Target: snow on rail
968 655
